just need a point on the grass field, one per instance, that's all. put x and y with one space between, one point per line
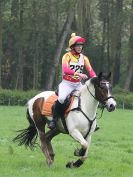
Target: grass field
111 152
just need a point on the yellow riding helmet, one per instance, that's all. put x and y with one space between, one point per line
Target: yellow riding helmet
76 39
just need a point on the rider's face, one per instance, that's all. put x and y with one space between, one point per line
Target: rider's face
78 48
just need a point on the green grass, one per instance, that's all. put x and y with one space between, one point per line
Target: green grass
111 152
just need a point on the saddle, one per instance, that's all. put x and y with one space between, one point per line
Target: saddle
49 104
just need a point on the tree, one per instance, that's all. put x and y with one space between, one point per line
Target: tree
19 80
35 45
65 31
116 32
129 76
1 49
104 16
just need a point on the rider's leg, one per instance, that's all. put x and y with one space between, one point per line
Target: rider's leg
56 113
64 90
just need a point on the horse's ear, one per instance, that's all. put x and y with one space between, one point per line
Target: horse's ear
109 75
100 75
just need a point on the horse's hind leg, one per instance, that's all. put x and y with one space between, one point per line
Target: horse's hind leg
40 124
49 135
45 148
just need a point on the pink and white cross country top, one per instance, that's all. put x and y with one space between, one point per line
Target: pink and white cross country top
73 63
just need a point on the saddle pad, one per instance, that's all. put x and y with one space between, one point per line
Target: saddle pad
47 105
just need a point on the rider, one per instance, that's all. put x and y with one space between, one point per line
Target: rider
73 63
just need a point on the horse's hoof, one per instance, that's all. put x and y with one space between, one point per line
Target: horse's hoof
69 165
76 164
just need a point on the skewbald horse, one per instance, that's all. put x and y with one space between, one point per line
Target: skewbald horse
80 121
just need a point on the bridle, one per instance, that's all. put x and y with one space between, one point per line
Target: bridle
103 102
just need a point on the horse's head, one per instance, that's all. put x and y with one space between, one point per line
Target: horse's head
103 91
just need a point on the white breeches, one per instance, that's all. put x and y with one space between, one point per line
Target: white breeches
65 88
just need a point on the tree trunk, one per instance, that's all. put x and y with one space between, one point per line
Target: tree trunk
129 77
103 47
56 58
35 62
116 42
1 49
108 37
35 46
83 17
19 81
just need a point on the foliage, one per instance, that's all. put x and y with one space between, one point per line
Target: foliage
30 31
123 97
9 97
14 97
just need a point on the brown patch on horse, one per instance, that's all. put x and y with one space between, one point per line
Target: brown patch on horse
37 107
47 105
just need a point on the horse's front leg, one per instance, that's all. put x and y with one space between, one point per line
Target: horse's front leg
85 146
83 152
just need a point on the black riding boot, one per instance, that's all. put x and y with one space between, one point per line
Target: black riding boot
56 113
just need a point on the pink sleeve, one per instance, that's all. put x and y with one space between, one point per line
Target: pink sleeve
65 65
92 73
89 68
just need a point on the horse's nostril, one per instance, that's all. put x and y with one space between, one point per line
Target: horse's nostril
111 106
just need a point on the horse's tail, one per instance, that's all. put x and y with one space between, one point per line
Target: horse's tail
27 136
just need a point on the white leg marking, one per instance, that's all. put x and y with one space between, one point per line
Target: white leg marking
78 136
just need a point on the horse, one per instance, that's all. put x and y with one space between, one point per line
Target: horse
80 121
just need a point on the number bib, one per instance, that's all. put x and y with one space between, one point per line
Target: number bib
77 65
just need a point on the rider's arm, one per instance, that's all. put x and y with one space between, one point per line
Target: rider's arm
65 65
88 67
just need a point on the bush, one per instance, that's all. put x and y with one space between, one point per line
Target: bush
123 98
14 97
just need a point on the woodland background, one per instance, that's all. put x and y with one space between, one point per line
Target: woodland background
34 35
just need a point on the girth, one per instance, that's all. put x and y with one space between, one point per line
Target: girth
79 109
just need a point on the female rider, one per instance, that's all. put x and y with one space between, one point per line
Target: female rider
73 63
